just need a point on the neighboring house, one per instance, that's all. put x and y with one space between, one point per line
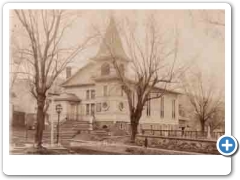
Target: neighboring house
23 105
95 91
21 98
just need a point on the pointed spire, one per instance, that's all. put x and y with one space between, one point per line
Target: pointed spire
111 42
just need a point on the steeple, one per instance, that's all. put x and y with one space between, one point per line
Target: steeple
111 43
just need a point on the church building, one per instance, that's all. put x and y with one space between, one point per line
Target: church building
95 92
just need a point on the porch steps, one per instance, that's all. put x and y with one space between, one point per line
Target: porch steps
67 131
76 125
99 132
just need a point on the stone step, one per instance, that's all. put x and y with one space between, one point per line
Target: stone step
99 132
74 127
63 134
69 136
60 131
67 131
76 122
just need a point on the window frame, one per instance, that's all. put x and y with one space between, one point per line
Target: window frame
87 94
93 94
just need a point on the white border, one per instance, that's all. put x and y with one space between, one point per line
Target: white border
119 164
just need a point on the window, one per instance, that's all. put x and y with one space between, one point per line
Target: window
92 94
92 109
87 94
87 109
148 107
173 109
121 106
105 69
162 107
105 88
181 111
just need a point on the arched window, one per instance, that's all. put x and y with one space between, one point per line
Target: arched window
105 69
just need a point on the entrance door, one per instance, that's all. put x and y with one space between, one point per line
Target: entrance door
73 112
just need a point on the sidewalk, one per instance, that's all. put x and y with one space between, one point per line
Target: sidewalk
28 148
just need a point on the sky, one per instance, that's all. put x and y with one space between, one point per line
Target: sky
200 44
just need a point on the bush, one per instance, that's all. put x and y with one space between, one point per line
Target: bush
119 132
130 150
135 150
45 151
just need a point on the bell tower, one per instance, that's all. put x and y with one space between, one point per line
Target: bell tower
111 48
107 84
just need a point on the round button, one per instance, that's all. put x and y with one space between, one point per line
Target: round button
227 145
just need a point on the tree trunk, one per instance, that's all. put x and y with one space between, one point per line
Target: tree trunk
135 117
202 127
134 127
40 120
134 124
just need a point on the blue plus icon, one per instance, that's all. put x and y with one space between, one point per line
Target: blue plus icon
227 145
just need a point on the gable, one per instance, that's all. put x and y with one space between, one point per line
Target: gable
82 76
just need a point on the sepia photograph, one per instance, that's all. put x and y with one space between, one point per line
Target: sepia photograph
116 81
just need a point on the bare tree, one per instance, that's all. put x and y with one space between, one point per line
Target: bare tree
204 98
152 57
217 121
44 56
15 58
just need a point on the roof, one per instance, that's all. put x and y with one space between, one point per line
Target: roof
67 97
156 89
116 78
111 43
111 38
64 84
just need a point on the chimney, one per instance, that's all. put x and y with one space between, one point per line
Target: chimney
68 72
